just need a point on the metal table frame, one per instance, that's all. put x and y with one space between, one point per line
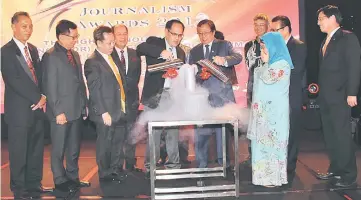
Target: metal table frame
190 192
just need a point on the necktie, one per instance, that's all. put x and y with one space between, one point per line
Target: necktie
119 79
206 56
30 64
325 45
171 50
70 58
122 58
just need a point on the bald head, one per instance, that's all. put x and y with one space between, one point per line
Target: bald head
121 35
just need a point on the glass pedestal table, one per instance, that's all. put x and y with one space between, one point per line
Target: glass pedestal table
196 173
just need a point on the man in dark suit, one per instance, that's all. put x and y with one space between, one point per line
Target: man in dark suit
221 53
339 80
158 50
24 103
64 87
297 49
131 69
107 103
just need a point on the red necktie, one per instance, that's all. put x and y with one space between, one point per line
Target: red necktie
70 58
30 64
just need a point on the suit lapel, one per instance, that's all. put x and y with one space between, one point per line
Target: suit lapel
131 67
291 44
116 59
22 61
214 49
331 43
180 55
78 64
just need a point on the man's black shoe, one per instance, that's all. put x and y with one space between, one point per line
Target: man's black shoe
21 195
79 183
186 162
67 186
344 184
327 176
40 189
133 169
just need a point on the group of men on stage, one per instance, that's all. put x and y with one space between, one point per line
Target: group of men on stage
53 88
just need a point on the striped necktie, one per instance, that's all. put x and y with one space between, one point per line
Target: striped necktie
30 64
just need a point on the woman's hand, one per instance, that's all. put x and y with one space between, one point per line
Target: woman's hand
264 53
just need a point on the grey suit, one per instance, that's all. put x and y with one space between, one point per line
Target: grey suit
64 87
219 94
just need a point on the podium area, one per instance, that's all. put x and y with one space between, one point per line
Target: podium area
312 157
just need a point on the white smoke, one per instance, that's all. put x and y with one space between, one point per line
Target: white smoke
187 101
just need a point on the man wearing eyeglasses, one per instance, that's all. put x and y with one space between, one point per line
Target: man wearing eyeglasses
64 87
221 53
297 49
339 79
158 50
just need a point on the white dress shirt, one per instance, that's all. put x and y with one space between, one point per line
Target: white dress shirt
210 47
168 81
106 58
21 47
288 39
125 57
333 32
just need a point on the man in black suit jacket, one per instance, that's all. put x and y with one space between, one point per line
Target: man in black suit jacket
64 87
24 101
158 50
107 103
297 50
131 69
339 80
222 54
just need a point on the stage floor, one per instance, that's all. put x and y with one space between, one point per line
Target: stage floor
312 157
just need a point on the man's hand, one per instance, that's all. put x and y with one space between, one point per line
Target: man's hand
40 104
167 55
352 101
219 60
107 119
61 119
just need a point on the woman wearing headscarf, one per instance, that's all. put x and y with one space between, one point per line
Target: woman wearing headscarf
269 120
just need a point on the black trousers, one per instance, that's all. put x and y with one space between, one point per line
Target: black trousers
65 140
26 150
337 133
109 145
293 139
128 147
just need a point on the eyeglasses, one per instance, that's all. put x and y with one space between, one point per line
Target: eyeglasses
72 37
204 34
275 30
321 18
175 34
